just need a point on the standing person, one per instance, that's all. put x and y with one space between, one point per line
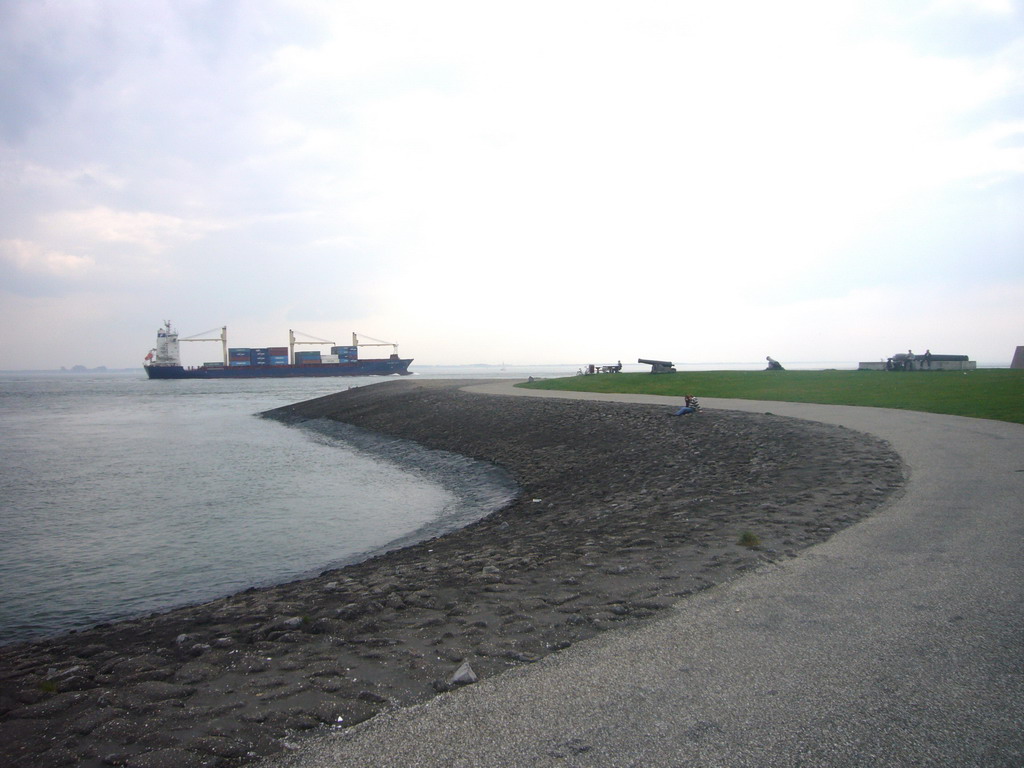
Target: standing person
927 359
910 360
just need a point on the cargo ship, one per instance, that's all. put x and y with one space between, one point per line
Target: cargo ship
164 361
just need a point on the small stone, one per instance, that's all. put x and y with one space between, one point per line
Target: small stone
350 611
464 675
523 656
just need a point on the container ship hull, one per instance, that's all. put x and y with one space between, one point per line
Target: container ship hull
356 368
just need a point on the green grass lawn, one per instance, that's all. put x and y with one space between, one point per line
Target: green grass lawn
986 394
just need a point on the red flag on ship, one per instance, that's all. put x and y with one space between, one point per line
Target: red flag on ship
149 356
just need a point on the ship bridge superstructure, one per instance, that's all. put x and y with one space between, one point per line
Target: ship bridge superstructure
167 350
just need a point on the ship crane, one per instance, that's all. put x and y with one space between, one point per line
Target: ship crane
292 341
223 339
374 343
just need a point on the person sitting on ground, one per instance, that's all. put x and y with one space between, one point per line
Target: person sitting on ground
690 406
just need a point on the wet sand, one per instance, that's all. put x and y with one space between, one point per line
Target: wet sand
624 509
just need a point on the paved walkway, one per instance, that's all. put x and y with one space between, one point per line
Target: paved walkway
898 642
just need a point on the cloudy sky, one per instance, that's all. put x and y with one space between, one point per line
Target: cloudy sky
520 182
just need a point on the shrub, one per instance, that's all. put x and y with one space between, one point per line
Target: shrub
749 539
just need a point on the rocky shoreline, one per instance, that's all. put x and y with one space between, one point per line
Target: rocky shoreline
623 510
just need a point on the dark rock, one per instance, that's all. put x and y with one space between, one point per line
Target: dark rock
195 672
92 719
159 691
120 730
50 706
220 746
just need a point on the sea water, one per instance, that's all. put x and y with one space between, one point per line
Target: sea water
121 496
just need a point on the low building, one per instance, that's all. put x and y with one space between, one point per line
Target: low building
905 361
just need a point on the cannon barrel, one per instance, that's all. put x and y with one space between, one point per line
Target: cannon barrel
658 366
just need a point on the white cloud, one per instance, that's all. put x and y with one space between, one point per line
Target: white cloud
94 175
149 231
33 258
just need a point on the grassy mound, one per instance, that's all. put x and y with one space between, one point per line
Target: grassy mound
986 394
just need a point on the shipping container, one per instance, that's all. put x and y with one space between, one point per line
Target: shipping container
277 351
240 363
277 360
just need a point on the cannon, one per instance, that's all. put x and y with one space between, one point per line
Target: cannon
658 366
